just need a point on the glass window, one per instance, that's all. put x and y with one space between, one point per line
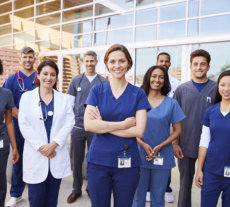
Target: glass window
193 27
5 8
20 4
146 16
101 9
193 8
68 4
48 7
76 27
215 25
48 33
23 37
173 11
114 21
2 1
48 45
5 29
140 3
23 14
214 6
147 33
117 5
172 30
25 25
77 41
48 20
79 13
5 40
5 19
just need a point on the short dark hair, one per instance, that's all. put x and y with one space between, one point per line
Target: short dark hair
146 80
218 97
90 53
50 63
1 67
122 48
163 53
26 50
202 53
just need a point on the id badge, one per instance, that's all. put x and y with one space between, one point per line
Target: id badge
124 162
158 160
1 143
227 171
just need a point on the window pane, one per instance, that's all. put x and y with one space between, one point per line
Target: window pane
174 11
23 37
48 20
48 45
215 25
5 40
140 3
101 9
193 27
68 4
214 6
114 22
193 8
5 19
77 41
146 16
23 14
117 5
20 4
48 7
76 27
48 33
147 33
5 29
78 13
25 25
172 30
5 8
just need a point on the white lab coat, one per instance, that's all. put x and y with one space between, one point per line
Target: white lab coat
35 165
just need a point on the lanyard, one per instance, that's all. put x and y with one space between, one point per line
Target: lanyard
22 84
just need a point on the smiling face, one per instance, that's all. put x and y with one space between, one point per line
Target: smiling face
27 60
224 88
164 60
47 77
117 64
199 68
157 80
90 64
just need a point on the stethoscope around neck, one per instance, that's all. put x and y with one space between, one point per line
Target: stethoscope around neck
22 86
79 84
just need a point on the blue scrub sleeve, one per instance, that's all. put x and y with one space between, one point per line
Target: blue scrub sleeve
92 97
71 89
205 121
10 101
142 101
8 83
177 113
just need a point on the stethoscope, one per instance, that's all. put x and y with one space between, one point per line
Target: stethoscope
79 84
49 113
22 86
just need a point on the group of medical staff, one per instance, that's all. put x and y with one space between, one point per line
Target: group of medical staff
135 133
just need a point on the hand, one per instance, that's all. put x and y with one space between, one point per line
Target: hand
15 156
53 154
178 151
199 179
149 152
156 150
48 149
94 114
129 122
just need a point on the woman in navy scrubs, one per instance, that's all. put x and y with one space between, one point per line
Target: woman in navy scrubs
7 136
116 112
46 119
213 171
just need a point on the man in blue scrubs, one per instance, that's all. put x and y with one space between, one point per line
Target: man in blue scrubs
194 97
23 80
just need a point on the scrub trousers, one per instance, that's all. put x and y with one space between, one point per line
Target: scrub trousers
212 187
44 194
158 185
17 183
103 180
187 169
4 153
79 138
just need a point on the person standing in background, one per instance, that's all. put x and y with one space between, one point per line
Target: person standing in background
79 88
23 80
194 97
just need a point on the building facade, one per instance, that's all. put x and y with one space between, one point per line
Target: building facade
64 29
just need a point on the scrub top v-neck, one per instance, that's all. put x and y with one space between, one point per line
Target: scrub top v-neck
106 148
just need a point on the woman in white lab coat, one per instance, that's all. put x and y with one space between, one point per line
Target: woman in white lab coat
46 119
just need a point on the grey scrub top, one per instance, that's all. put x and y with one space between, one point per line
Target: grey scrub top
81 96
6 102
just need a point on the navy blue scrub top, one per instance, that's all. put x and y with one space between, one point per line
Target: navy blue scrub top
106 148
48 122
218 155
12 84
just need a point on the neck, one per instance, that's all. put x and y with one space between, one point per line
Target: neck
154 94
200 80
44 92
27 72
90 73
118 83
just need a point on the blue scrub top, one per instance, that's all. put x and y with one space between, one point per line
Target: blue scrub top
12 84
106 148
158 130
218 155
49 120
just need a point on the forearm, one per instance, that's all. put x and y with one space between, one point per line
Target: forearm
129 133
11 134
15 112
201 158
